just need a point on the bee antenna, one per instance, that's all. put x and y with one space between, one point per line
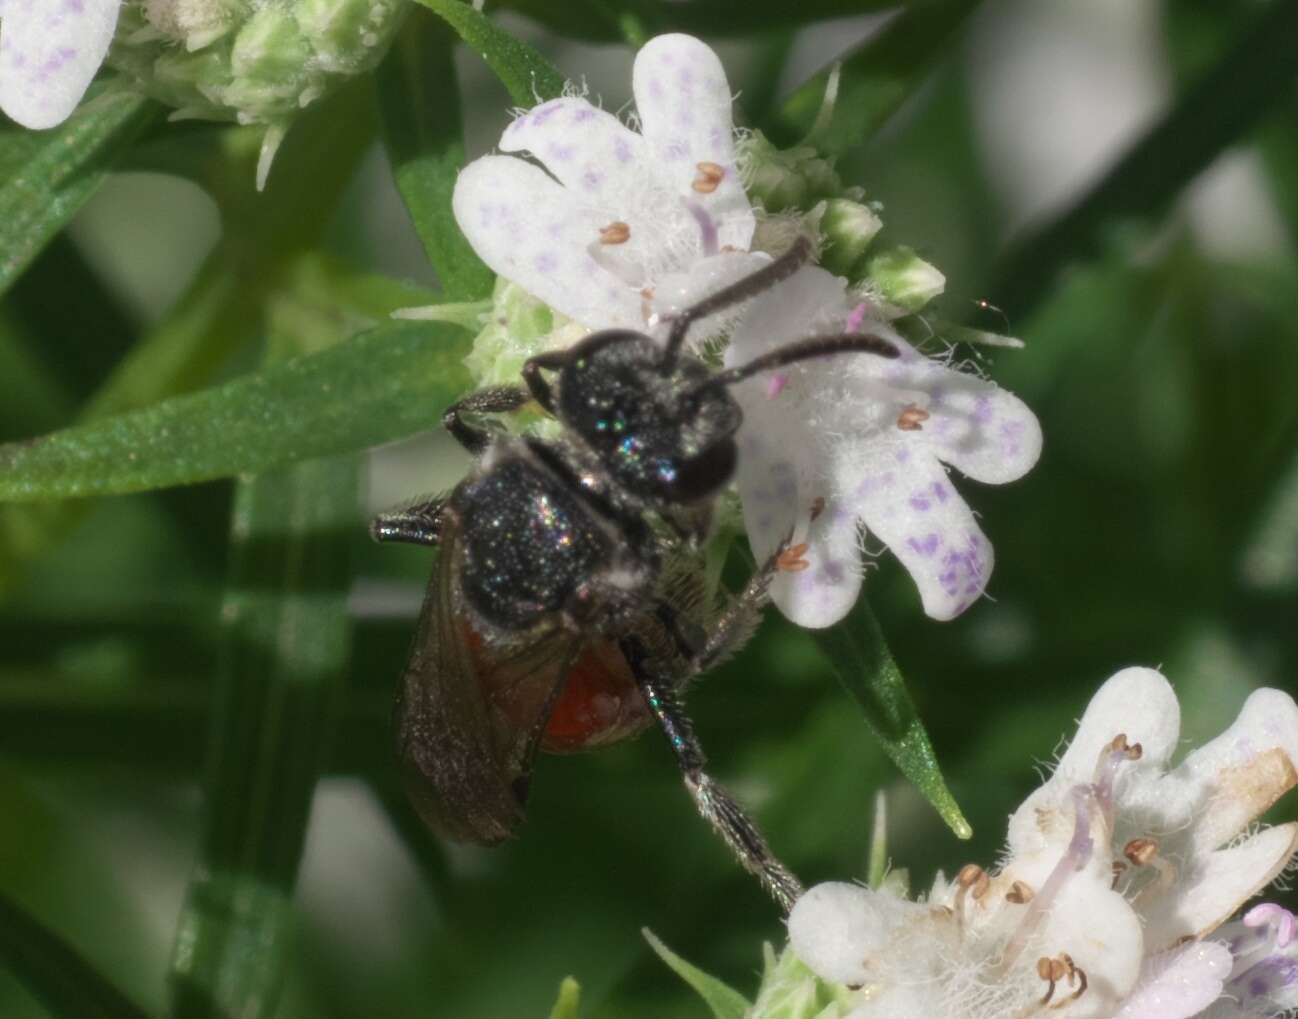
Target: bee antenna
750 286
801 350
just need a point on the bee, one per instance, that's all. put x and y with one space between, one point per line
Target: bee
559 616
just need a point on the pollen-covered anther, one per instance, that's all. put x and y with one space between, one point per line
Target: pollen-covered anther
1141 851
1061 969
791 561
616 232
817 507
1020 893
1131 751
973 881
709 177
912 418
973 877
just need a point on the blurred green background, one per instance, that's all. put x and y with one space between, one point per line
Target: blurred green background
1059 160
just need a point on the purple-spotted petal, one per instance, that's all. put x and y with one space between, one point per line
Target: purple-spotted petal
684 103
980 429
529 229
588 151
49 52
907 501
1178 984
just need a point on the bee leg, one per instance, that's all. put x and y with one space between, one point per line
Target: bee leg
551 360
491 400
714 803
420 523
732 628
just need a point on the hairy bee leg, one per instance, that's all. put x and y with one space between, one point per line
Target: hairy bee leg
491 400
739 620
417 524
714 803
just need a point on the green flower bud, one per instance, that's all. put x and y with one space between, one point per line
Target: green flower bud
518 327
251 61
784 179
847 228
791 991
904 279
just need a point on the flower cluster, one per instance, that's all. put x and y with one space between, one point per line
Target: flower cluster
619 228
1111 898
251 61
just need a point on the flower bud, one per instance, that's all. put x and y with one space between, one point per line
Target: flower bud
785 179
255 63
905 279
847 228
518 327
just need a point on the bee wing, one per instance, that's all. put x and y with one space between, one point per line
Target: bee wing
468 723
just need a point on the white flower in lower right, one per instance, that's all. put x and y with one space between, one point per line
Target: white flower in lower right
1110 900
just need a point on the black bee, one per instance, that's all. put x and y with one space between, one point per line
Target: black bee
554 620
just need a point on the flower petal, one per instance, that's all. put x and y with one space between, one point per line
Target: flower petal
49 52
974 425
1178 984
1138 703
684 102
905 498
838 929
528 229
587 150
1218 884
1101 933
1246 769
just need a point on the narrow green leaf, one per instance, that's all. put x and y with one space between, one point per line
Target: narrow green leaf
568 1001
528 76
859 654
284 646
1257 73
419 100
222 310
725 1001
55 973
874 80
46 176
385 384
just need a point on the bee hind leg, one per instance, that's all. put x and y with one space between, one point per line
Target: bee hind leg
420 523
727 818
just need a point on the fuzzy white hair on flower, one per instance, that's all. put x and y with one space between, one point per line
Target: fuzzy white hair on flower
620 228
835 446
1108 904
49 53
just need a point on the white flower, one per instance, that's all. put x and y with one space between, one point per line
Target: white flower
1117 870
625 227
849 441
49 52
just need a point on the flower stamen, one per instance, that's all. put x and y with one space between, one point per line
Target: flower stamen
709 177
616 232
912 418
791 561
1020 893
